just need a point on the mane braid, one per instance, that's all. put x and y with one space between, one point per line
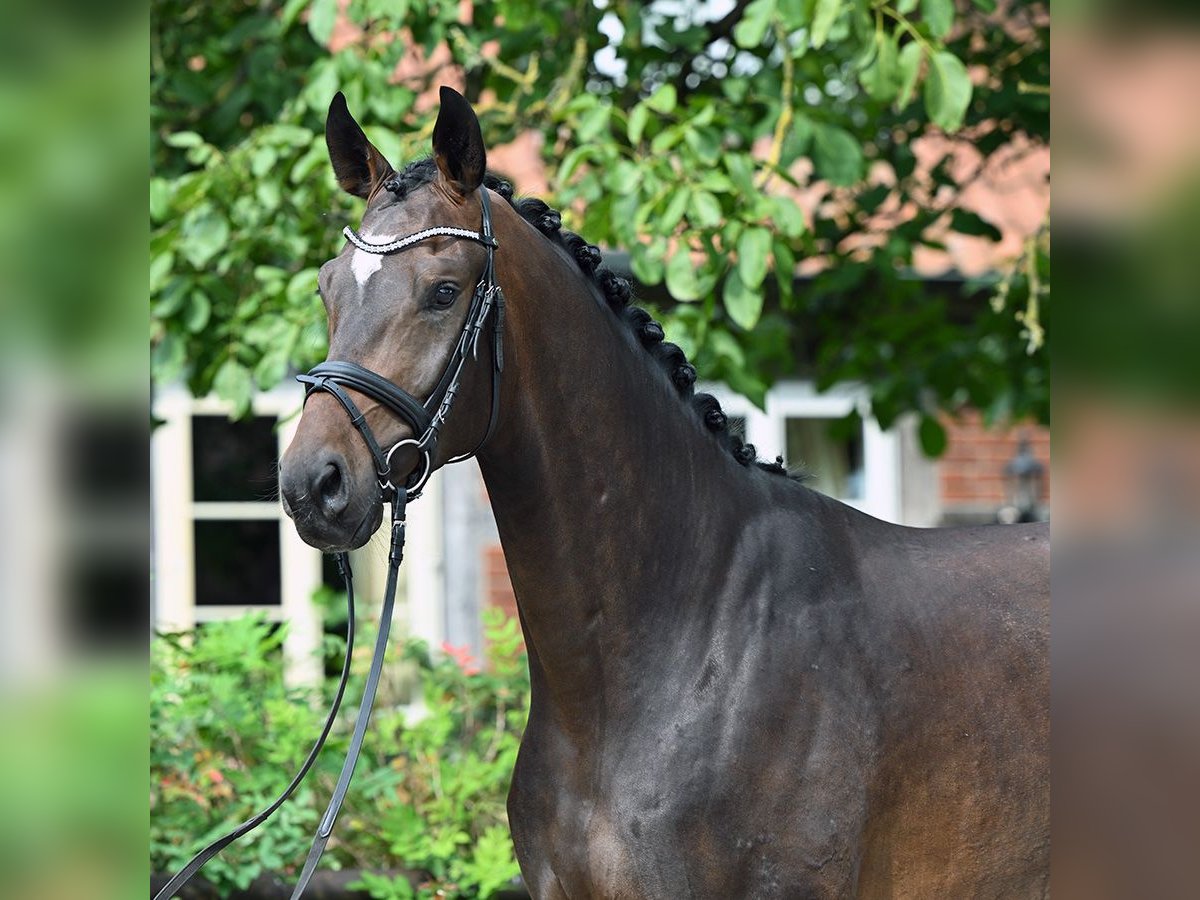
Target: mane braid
617 294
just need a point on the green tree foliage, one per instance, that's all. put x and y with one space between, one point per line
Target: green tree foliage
670 132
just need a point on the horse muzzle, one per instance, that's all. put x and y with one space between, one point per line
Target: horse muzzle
333 509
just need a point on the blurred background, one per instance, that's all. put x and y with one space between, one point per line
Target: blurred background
73 450
1126 617
839 209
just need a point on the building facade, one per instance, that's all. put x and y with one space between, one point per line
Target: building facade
222 545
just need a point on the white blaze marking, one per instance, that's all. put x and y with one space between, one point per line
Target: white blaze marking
364 264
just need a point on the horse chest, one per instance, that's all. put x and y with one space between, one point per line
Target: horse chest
652 810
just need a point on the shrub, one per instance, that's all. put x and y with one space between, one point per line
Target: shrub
429 793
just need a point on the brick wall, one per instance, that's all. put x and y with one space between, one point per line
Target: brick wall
497 588
971 471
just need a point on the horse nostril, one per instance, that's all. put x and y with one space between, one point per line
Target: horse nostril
328 489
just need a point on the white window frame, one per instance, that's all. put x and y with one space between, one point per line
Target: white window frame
175 510
798 399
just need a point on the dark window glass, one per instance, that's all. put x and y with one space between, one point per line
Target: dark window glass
833 461
107 456
234 461
108 598
237 562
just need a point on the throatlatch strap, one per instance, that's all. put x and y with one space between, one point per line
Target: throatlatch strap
184 875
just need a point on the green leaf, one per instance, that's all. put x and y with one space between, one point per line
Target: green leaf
572 161
787 216
234 384
662 100
741 171
160 270
938 15
785 272
204 235
269 194
987 6
932 435
322 16
262 161
171 298
303 284
881 79
196 315
824 16
752 27
271 369
743 302
160 199
754 249
966 222
705 210
183 139
646 262
908 65
638 117
947 90
666 139
837 155
592 123
681 276
676 207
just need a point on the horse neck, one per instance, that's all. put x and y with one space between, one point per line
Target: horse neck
599 476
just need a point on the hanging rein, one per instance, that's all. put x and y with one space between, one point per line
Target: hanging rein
426 419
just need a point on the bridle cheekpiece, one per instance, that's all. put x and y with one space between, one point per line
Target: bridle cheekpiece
428 417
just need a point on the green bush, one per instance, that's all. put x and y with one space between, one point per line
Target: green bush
429 793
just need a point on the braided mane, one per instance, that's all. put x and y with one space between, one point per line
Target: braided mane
617 294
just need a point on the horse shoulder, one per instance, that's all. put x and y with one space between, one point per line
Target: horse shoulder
964 684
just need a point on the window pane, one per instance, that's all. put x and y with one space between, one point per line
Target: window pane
234 461
237 562
106 457
834 464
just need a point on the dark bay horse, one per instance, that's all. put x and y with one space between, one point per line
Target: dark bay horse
741 688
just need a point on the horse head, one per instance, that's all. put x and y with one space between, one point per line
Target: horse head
405 299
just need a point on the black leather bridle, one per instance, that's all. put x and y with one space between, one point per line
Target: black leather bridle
426 420
429 417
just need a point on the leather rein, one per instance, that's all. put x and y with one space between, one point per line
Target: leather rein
426 418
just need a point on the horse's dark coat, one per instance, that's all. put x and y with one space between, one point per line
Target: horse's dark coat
741 688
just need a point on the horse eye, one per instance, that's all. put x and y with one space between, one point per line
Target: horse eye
445 294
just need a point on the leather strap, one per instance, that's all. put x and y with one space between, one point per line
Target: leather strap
325 829
352 375
184 875
357 419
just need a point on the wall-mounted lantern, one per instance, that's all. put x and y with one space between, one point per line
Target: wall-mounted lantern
1024 478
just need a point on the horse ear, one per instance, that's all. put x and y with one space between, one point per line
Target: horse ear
458 143
359 167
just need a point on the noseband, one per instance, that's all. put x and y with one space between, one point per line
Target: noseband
426 420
